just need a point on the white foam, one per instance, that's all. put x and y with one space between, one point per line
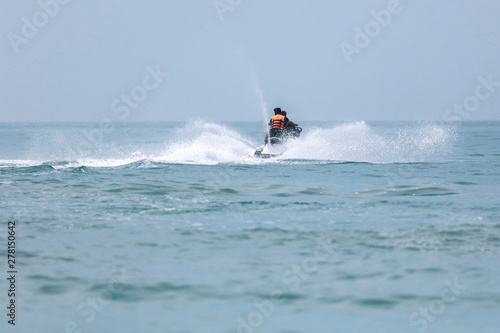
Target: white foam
205 143
200 142
358 142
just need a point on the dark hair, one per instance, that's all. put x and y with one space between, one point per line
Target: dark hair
277 110
283 112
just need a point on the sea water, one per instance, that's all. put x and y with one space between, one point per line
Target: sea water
171 227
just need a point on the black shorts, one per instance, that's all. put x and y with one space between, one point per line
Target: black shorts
275 133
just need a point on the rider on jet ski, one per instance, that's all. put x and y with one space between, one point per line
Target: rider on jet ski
291 129
281 127
278 124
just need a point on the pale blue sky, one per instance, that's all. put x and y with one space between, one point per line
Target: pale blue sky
81 61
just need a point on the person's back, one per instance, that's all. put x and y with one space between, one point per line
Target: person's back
277 125
278 122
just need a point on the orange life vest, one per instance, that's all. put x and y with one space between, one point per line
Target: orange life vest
278 121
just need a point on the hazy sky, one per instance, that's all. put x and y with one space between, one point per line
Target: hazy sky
335 60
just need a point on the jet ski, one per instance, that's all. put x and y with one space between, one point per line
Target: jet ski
269 151
276 145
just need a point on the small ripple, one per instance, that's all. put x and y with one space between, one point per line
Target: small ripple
376 302
65 259
314 191
350 277
267 230
142 244
257 203
283 195
425 191
464 183
493 239
52 289
228 191
80 169
40 277
425 270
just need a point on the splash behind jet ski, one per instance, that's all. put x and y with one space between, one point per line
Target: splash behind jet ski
276 145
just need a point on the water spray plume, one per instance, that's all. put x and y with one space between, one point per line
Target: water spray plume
200 142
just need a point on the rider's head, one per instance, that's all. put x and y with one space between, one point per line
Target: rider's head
283 113
277 110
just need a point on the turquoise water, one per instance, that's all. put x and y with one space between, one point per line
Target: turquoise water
358 227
